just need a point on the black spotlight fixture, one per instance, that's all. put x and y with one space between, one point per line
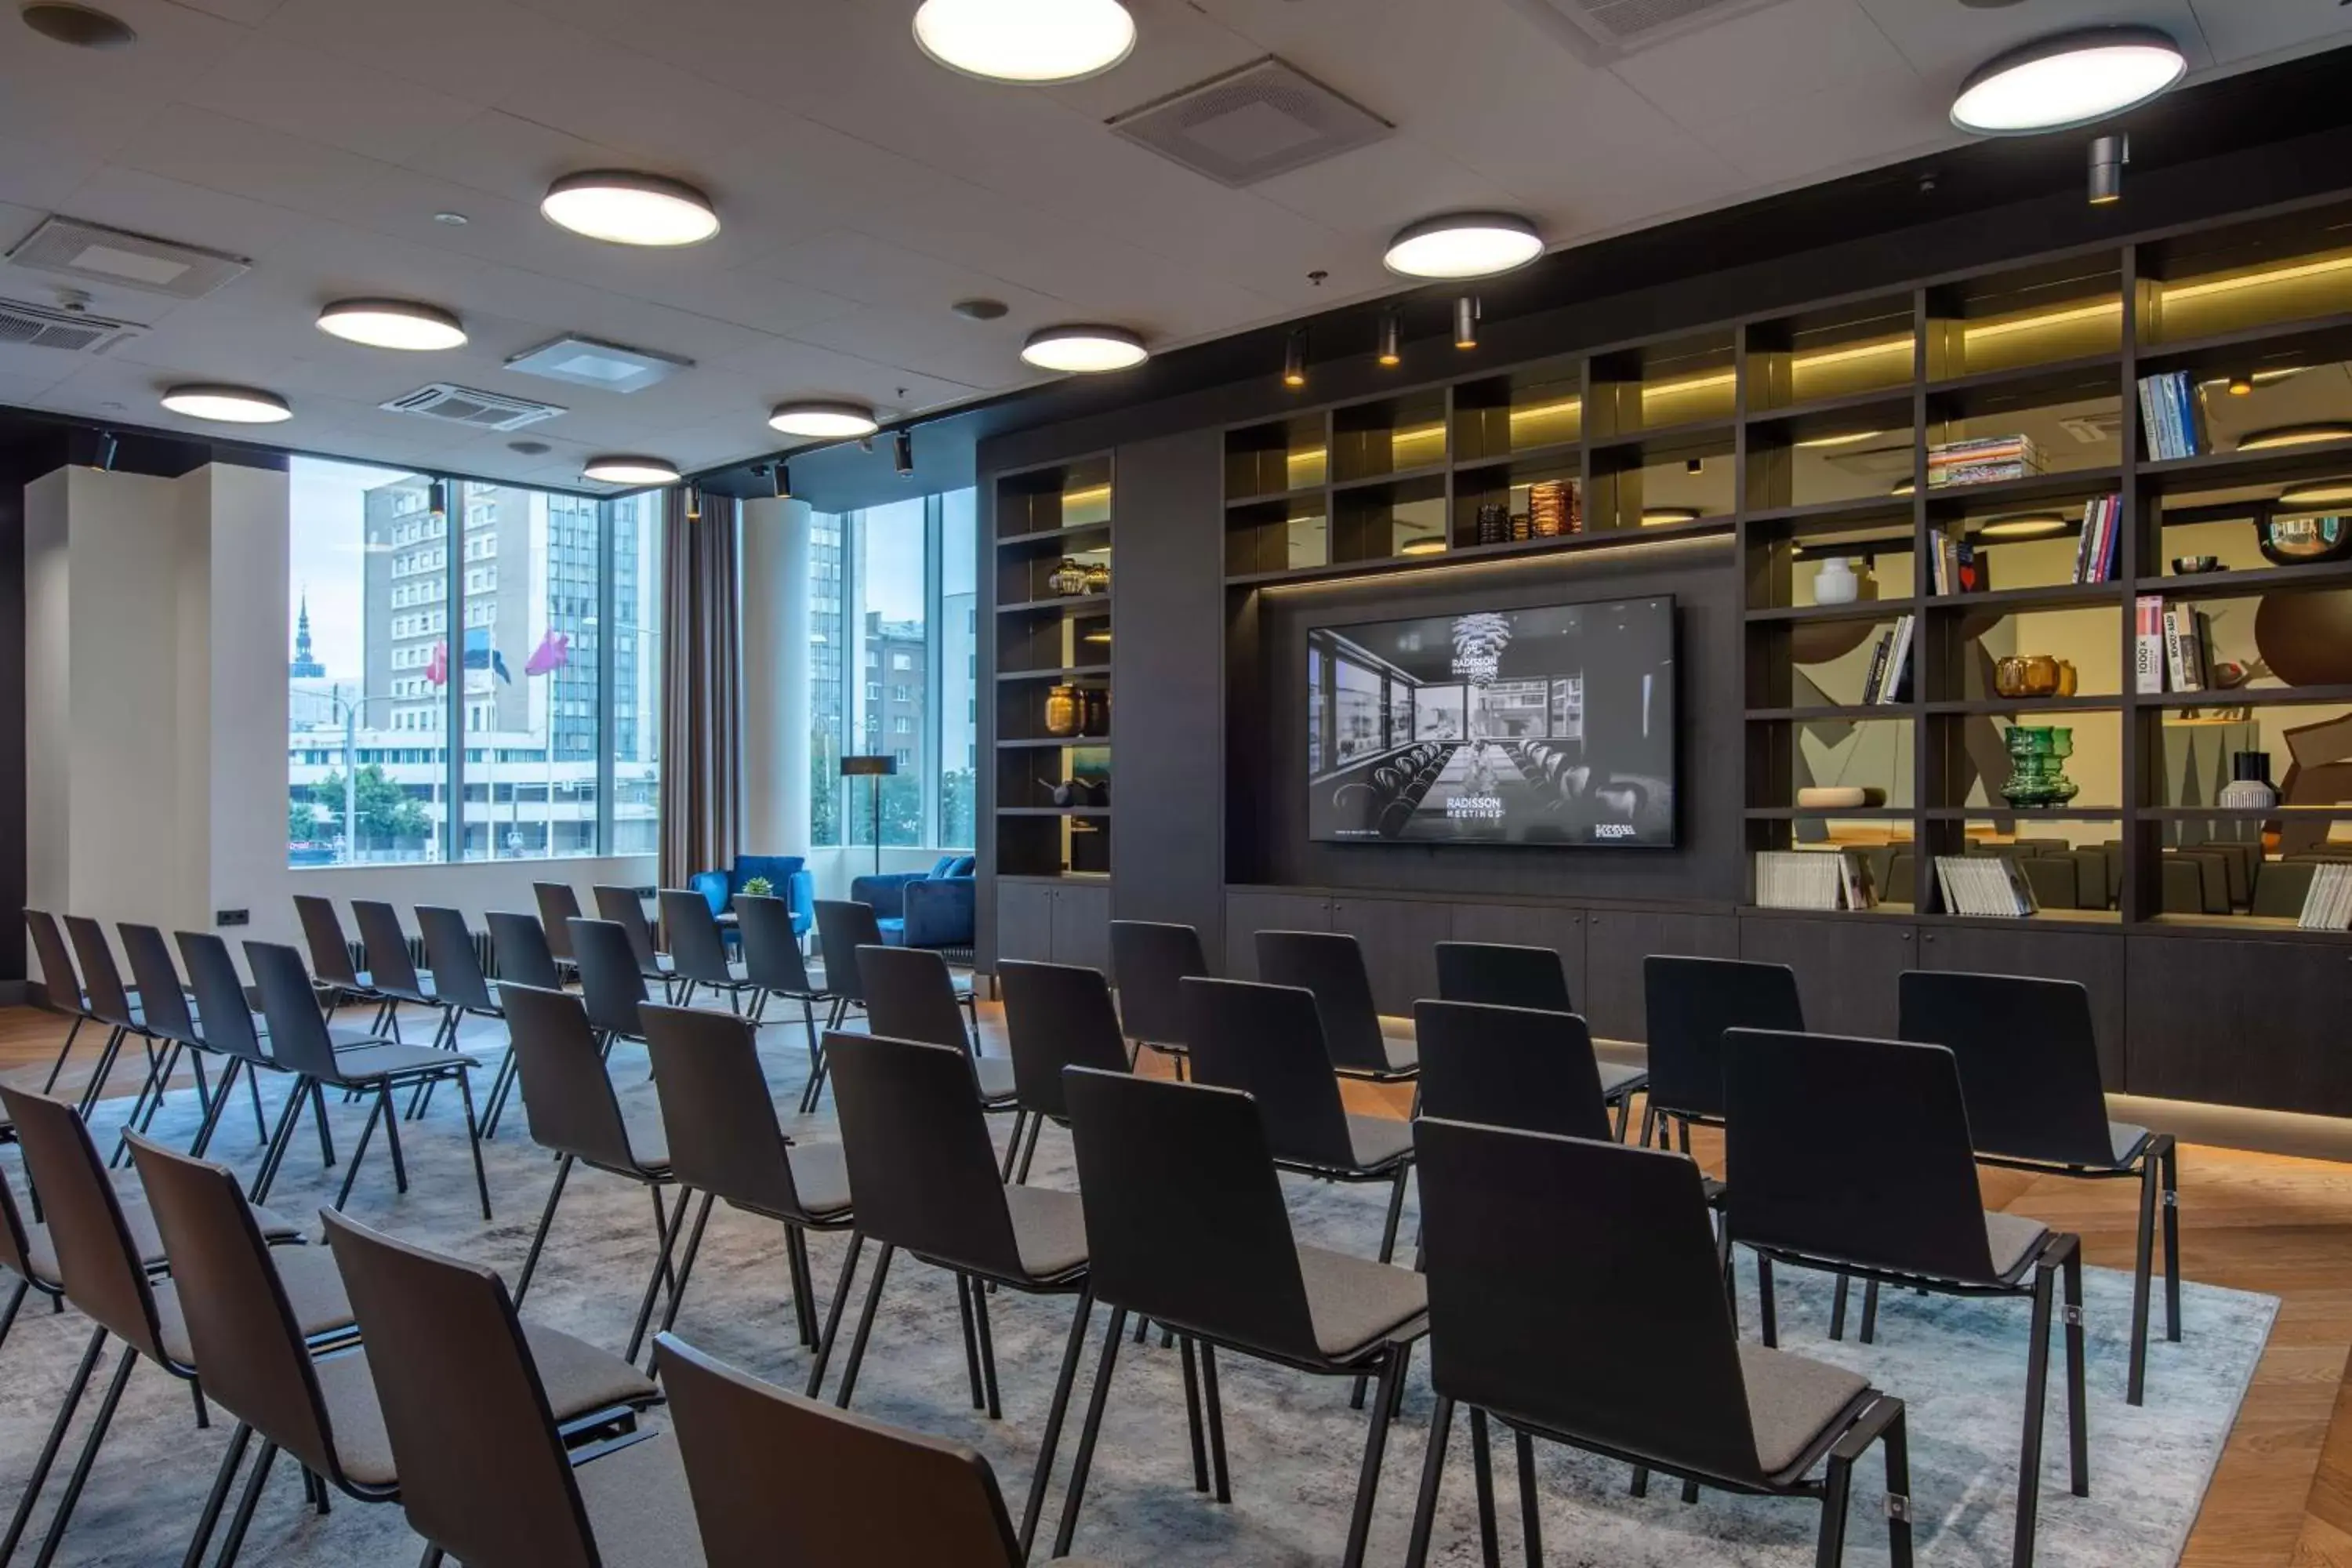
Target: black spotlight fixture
1466 322
436 498
2108 156
1695 466
103 458
781 472
1392 349
694 503
1294 360
904 444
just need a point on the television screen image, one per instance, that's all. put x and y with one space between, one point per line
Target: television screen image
1550 726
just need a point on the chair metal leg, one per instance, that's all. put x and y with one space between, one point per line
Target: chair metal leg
539 1237
208 1520
1624 1108
1768 1309
206 1128
474 1142
246 1504
1013 1144
1897 1442
1836 1487
1432 1478
1088 1433
253 1092
865 1326
1838 1304
286 1116
1212 1404
392 1138
1482 1471
81 1477
803 1282
501 1086
325 1135
8 1313
151 1099
1870 1312
1530 1516
987 1349
832 1313
2077 1405
2037 1383
665 1235
1035 1507
1192 1416
352 1171
56 1439
685 1262
49 1085
971 1345
99 1074
2171 1241
808 1021
1029 1153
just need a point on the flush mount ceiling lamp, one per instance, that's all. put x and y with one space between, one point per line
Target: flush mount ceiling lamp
2324 492
623 207
1083 350
2025 525
227 405
624 469
393 325
2279 436
823 420
2068 79
1032 42
1464 245
81 26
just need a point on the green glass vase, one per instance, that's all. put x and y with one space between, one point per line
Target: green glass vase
2037 760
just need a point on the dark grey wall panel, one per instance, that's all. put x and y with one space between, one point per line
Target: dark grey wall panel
1616 942
1847 971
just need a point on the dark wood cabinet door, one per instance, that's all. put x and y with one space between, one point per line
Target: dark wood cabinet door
2094 959
1248 912
1616 942
1846 969
2239 1023
1025 921
1398 938
1529 925
1082 926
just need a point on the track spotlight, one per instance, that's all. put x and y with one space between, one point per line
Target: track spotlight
1466 322
1294 360
904 443
782 473
2108 156
103 458
436 498
1695 466
694 503
1392 349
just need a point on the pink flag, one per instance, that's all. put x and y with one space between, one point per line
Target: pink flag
436 669
554 652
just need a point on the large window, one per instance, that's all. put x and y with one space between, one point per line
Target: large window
427 608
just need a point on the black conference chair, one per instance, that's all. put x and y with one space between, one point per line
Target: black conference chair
925 1183
1331 966
110 1003
1575 1296
697 953
625 909
1212 1255
611 983
773 964
60 984
338 978
558 905
1689 1003
1502 976
1854 1156
225 1013
1510 1067
1150 961
911 996
165 1006
392 972
460 989
1056 1015
841 928
2029 1062
525 955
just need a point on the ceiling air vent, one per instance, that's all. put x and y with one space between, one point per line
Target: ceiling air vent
45 327
591 361
98 254
478 410
1250 124
1604 30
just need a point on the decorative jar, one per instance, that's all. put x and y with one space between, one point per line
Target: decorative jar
2037 758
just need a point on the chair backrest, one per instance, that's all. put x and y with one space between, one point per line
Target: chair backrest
525 949
240 1325
557 904
1574 1284
697 950
2183 890
58 978
1056 1015
771 949
921 1167
299 1040
2028 1061
222 1008
15 1245
1331 966
2281 887
625 909
1854 1150
717 1116
1213 1251
564 1084
1267 1042
2053 878
1689 1002
390 969
779 1478
1509 1067
163 1002
322 933
2090 877
98 1266
482 1473
1503 976
458 977
108 1002
910 995
610 980
1150 961
841 928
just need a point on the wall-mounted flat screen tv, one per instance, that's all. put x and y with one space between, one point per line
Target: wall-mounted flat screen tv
1549 726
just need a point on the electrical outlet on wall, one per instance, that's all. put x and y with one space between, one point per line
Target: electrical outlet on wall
232 917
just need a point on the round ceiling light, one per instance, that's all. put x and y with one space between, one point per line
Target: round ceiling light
79 25
1030 41
1660 516
1083 350
2324 492
2025 525
626 208
227 405
2279 436
823 420
1427 544
623 470
1464 245
1851 439
393 325
2068 79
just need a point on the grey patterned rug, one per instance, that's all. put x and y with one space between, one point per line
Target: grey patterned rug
1294 1444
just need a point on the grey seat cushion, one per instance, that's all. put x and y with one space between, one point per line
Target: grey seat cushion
1400 1045
996 1081
1618 1080
2012 1238
314 1289
41 1252
648 1138
1049 1227
580 1377
821 1177
362 1446
1354 1302
2126 1139
639 1508
368 1062
1376 1140
1790 1400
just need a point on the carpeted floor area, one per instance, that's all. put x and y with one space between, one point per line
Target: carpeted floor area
1294 1444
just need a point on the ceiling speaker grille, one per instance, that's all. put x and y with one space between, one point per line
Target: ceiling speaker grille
76 332
98 254
464 405
1265 119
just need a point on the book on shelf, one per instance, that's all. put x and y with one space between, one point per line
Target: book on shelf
1982 461
2147 643
2101 542
1952 563
2327 904
2184 648
2172 416
1892 684
1811 879
1988 884
1877 675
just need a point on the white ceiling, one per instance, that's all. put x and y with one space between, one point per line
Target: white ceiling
864 189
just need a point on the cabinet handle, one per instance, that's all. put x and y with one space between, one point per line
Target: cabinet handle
1907 936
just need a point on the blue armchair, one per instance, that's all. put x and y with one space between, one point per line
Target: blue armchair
933 909
788 875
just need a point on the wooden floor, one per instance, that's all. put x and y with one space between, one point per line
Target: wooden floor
2257 1222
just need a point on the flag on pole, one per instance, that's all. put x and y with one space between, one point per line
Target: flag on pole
437 668
554 652
481 655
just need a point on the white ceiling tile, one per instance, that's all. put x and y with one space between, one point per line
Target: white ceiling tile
2243 30
42 175
273 81
1796 49
1819 135
1944 41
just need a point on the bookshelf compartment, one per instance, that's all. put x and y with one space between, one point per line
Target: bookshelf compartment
1846 750
1290 535
1078 635
1634 487
1968 641
1053 846
2247 278
1401 518
1659 386
1274 458
1513 487
1540 405
2070 309
1838 352
2075 425
1855 455
1968 761
1820 663
1388 435
1066 496
1026 777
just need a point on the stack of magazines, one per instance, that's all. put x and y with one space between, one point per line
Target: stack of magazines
1982 461
1813 880
2328 905
2172 416
1984 885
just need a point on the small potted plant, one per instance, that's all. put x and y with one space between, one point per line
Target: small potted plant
759 888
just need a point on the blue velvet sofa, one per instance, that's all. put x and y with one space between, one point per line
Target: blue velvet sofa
934 908
788 878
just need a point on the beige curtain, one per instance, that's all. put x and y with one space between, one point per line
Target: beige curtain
701 712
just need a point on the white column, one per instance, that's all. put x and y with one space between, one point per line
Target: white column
775 632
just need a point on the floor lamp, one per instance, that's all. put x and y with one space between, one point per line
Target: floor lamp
876 768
